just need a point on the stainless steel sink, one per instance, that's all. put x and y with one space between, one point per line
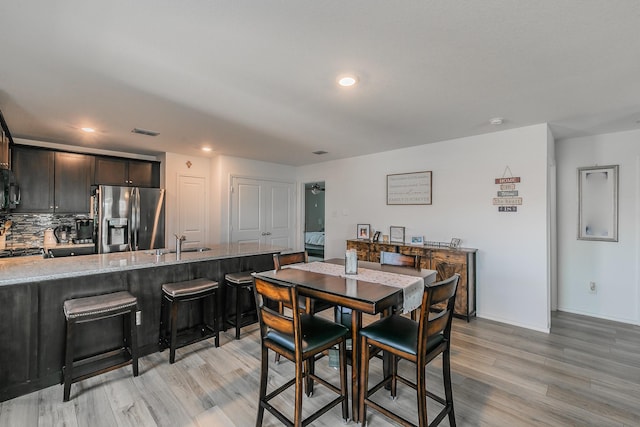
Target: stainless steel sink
195 250
171 251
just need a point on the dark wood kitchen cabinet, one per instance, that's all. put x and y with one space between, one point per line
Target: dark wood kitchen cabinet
72 182
52 181
127 172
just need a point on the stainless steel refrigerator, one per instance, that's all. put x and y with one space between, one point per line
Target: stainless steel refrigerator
129 218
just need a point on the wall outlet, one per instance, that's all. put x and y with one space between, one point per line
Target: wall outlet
138 318
592 288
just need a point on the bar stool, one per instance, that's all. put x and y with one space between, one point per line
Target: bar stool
237 282
176 293
89 309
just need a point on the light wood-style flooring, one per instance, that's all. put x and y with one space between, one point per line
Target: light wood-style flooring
586 372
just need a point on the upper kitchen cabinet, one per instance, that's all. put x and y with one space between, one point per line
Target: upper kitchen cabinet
5 140
127 172
52 181
72 183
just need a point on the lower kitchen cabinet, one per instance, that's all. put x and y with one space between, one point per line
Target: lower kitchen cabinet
446 261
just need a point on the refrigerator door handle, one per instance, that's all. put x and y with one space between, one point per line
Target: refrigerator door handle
132 220
136 221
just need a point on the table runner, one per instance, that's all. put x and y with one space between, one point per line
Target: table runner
412 286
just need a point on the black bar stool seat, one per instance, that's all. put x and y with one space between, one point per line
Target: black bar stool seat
88 309
176 293
238 282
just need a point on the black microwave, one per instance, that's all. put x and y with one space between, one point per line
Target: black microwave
9 190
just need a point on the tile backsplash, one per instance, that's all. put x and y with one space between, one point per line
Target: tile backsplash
28 229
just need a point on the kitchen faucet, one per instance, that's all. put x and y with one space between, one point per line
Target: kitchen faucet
179 240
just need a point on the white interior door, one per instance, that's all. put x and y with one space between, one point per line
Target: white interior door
262 211
280 215
192 210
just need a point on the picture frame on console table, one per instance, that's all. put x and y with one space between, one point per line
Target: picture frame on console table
396 234
417 240
363 232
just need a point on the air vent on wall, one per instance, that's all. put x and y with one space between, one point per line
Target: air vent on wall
145 132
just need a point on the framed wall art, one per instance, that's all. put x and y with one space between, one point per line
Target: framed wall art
598 203
396 234
409 188
417 240
363 231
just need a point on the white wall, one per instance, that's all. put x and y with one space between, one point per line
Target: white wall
613 266
175 165
513 248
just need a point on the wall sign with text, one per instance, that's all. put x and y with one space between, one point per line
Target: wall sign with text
409 188
508 198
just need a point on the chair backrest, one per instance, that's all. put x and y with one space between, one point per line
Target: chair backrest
438 303
280 260
271 319
393 258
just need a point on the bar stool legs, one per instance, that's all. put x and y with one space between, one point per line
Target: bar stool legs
238 282
175 294
89 309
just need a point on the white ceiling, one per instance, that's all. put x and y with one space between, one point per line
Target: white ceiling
256 79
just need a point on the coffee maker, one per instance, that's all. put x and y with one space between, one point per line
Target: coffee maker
84 231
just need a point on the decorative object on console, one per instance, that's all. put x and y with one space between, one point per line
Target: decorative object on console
412 188
396 234
363 231
455 243
417 240
376 236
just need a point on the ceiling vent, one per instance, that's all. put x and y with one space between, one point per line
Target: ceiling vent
145 132
320 152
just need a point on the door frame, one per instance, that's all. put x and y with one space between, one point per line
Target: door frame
303 215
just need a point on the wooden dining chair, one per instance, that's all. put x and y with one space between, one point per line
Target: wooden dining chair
305 304
299 338
418 342
401 260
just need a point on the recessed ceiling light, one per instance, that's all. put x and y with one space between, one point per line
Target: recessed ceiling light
207 149
496 121
88 130
347 81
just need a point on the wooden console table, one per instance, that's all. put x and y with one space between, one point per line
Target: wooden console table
445 261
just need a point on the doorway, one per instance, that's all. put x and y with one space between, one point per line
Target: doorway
314 219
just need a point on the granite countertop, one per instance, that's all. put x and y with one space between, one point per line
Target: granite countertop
18 270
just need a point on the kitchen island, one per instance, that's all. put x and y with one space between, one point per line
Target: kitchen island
33 289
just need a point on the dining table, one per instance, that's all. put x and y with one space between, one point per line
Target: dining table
375 289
